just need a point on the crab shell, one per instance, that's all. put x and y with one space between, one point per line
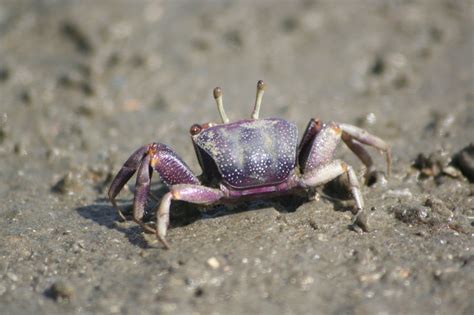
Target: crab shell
248 153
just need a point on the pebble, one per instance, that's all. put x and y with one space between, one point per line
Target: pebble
213 263
322 237
398 193
61 290
306 283
464 160
4 73
431 165
68 184
438 206
74 33
412 214
13 277
371 277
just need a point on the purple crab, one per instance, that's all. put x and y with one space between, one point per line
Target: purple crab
247 158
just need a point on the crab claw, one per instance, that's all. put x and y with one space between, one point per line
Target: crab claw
126 172
154 156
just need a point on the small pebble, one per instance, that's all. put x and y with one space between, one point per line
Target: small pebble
68 184
464 160
78 246
322 237
412 214
313 224
306 283
430 165
61 291
438 206
213 263
74 33
4 73
13 277
398 193
20 149
451 171
371 277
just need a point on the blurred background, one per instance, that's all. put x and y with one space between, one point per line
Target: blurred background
84 83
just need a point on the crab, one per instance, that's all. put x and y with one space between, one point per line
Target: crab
248 158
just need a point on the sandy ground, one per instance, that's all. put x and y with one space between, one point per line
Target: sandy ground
84 83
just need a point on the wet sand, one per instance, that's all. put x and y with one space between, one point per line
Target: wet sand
83 84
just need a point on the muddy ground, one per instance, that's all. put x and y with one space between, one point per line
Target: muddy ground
84 83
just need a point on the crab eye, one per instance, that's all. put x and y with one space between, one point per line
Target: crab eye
195 129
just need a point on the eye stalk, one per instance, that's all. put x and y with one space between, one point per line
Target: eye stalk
258 99
220 105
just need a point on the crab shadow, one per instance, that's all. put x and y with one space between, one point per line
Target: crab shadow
104 214
183 213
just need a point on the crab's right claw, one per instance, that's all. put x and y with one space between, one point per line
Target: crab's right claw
126 172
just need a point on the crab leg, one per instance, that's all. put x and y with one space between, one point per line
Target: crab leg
191 193
142 190
327 172
362 136
126 172
318 167
359 151
357 148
